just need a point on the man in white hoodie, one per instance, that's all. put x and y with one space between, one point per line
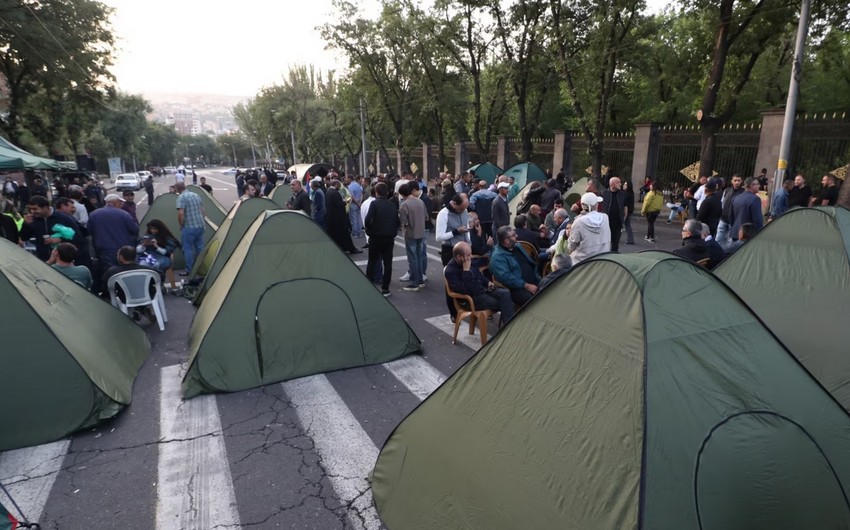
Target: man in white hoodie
589 234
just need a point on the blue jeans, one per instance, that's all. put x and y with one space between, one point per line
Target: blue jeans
355 219
417 259
193 244
723 234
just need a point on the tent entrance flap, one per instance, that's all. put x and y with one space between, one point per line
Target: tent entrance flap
283 349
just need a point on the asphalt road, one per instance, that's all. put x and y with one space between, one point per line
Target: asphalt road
290 455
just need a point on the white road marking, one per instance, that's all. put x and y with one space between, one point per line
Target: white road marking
416 374
194 486
364 262
29 474
444 323
347 452
435 249
433 257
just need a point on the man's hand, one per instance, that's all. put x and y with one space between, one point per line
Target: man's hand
52 240
54 255
466 262
531 288
462 229
489 241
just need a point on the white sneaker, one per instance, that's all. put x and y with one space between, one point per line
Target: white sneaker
405 278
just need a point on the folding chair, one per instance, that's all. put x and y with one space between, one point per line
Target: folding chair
136 287
465 308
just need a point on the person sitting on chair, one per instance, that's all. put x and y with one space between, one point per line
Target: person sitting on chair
464 278
126 262
513 268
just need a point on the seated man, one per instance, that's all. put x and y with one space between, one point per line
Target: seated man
745 233
126 262
465 278
694 246
513 268
522 231
62 259
561 264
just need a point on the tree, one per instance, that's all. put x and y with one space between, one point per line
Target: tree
590 36
50 49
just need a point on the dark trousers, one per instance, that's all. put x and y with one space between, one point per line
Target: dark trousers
496 300
520 296
650 224
381 247
615 238
446 255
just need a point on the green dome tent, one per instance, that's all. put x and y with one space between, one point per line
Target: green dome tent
213 209
289 303
486 171
164 208
515 203
795 274
68 359
654 399
525 173
281 195
573 195
220 246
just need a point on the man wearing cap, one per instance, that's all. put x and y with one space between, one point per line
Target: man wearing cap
590 233
111 228
711 209
501 215
318 206
190 215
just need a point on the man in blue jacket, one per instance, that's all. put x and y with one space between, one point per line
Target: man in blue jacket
746 208
513 268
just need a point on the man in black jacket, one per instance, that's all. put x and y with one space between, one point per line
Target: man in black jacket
711 209
299 200
381 225
464 278
614 204
725 224
694 247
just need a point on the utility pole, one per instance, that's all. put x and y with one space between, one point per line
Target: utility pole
364 170
791 102
294 155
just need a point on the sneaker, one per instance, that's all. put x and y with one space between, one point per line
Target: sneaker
411 287
647 239
669 222
424 278
184 273
405 278
652 240
385 292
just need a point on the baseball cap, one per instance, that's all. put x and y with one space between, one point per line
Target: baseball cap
318 180
113 197
504 185
591 199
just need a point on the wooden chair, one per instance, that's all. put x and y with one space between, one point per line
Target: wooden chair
465 308
531 250
547 268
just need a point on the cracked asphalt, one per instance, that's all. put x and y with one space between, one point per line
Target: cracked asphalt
108 478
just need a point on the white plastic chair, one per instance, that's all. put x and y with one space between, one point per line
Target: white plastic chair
136 287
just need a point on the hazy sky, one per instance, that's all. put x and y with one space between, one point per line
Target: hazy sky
227 48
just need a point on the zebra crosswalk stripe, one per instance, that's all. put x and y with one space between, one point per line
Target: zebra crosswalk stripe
444 324
346 450
194 486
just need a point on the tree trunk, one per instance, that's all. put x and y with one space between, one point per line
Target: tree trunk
715 78
708 130
844 194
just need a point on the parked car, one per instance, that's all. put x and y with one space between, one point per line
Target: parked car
128 181
170 169
231 171
145 175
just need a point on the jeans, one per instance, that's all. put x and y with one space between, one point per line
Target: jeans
723 234
674 209
417 259
630 236
193 244
355 219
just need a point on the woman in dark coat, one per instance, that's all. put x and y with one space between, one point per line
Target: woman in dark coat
336 219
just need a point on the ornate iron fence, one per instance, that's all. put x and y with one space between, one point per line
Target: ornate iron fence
821 145
617 155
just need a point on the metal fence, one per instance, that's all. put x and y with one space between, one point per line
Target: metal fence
617 155
680 147
821 145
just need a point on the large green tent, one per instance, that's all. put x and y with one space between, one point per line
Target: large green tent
486 171
213 209
525 173
289 303
573 195
220 246
795 274
515 203
13 157
281 195
164 208
653 399
68 359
